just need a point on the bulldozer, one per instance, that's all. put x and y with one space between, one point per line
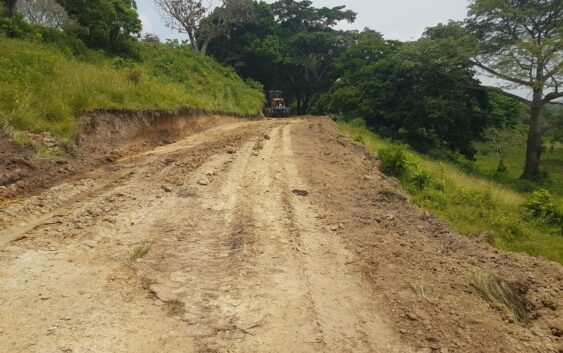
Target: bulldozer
275 106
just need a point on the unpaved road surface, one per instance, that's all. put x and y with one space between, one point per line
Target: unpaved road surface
264 236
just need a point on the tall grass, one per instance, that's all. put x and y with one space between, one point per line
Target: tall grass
42 89
500 294
471 204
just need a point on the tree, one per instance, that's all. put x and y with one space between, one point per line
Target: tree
104 21
199 23
47 13
423 93
223 19
521 41
184 16
301 15
506 141
10 6
289 45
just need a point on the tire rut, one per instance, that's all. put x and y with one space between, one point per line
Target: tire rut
236 261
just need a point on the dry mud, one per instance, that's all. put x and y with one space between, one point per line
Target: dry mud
260 236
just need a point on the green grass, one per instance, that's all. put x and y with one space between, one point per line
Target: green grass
43 89
551 164
472 204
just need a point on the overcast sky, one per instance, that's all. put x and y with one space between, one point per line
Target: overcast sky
396 19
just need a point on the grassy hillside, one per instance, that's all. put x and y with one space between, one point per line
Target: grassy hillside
471 204
44 89
551 164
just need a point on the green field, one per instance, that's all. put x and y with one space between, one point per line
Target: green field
551 165
473 204
43 88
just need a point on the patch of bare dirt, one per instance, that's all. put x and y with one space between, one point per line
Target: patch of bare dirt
105 136
266 236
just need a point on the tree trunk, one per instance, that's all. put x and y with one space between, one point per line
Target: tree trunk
299 105
533 149
305 107
10 7
114 34
205 46
193 41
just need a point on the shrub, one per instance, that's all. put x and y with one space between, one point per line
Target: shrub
17 27
421 179
467 166
358 122
540 206
395 161
442 154
438 184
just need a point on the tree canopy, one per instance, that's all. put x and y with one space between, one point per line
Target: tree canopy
103 22
422 92
288 45
521 41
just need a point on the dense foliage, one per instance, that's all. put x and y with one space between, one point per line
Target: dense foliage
103 23
288 45
423 93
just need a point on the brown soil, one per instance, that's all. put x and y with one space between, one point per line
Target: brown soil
266 236
104 137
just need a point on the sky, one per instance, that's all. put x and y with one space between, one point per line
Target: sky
396 19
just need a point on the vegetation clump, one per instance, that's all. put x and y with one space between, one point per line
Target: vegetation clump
501 294
395 161
138 252
540 206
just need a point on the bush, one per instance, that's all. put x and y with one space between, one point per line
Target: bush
442 154
421 179
395 161
358 122
467 166
540 206
17 27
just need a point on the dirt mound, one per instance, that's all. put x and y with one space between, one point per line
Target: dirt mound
23 169
105 136
424 270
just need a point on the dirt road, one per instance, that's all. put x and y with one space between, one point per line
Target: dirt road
265 236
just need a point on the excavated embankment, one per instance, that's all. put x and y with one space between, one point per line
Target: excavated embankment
104 136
